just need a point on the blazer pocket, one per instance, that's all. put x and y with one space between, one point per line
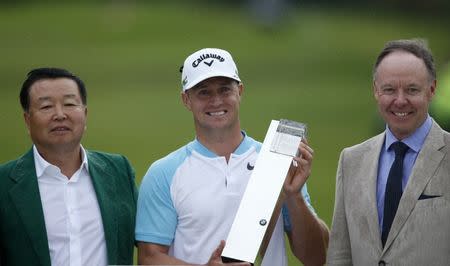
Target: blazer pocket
432 202
424 196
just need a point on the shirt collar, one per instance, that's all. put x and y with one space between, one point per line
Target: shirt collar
41 164
245 144
416 140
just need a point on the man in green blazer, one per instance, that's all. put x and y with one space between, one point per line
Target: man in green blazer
59 203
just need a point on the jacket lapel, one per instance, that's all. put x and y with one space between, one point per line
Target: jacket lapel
105 188
27 200
370 167
427 162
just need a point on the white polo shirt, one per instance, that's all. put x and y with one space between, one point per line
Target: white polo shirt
72 215
188 201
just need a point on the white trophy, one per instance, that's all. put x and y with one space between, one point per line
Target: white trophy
261 205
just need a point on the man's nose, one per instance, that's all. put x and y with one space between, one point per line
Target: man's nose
60 113
216 99
401 98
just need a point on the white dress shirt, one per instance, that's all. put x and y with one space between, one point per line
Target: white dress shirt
72 214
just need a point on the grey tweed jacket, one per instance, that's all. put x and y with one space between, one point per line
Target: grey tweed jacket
420 232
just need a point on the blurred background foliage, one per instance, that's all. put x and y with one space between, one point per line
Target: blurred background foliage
308 61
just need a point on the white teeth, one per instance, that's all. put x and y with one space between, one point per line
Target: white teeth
217 113
401 114
60 129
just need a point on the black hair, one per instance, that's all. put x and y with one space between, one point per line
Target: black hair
48 73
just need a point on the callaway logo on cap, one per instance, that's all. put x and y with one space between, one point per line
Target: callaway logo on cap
207 63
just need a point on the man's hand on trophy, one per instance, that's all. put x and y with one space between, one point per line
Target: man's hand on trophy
299 170
216 259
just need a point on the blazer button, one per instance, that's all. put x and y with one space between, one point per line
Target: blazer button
381 263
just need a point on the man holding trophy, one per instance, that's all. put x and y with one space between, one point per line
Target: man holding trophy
188 199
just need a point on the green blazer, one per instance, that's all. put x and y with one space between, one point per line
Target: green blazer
23 237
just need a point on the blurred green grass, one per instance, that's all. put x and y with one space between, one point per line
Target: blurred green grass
315 68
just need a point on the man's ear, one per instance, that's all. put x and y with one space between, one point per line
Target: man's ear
241 88
186 100
374 89
433 86
85 114
26 118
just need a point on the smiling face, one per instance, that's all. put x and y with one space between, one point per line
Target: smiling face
56 119
214 104
403 90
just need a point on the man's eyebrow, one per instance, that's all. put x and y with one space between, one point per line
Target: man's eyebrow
70 96
387 85
48 98
44 98
412 84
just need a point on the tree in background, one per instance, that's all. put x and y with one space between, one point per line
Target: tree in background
440 106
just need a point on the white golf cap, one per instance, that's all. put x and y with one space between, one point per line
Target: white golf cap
207 63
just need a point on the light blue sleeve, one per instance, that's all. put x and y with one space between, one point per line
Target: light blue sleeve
156 218
287 219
